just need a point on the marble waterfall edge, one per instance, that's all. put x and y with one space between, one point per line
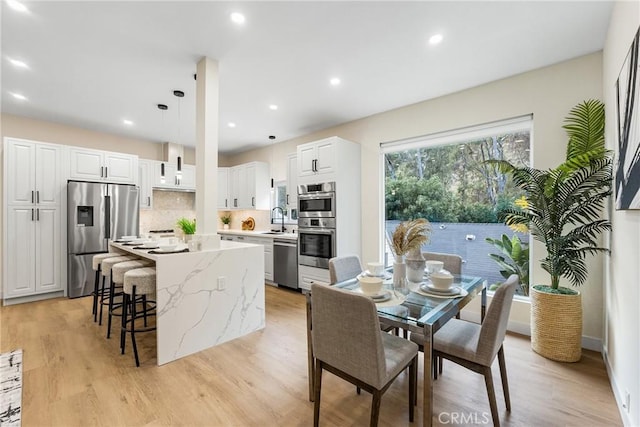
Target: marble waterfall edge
209 297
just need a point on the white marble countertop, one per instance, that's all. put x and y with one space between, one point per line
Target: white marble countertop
260 233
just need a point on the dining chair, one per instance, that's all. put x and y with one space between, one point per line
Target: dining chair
452 262
360 353
349 267
475 346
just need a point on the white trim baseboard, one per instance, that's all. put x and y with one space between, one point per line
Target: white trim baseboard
617 393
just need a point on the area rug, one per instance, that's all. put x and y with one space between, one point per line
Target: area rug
11 388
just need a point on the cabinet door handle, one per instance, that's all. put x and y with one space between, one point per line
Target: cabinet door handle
148 200
225 203
32 200
235 203
38 196
287 199
37 214
253 201
101 171
32 214
106 172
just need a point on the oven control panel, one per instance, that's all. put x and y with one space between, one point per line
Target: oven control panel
317 222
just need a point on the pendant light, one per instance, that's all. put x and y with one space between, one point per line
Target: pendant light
163 108
179 94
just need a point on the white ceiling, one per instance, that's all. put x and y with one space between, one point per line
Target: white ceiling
93 64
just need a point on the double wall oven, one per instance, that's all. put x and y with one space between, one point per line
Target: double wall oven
316 224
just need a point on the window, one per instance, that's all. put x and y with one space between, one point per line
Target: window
444 178
279 199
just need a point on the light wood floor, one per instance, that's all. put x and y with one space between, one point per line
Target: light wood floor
73 376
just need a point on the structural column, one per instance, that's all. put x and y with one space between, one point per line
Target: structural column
207 124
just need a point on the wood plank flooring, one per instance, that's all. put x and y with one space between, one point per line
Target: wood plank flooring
73 376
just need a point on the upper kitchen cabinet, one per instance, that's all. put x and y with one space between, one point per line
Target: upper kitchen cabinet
325 160
35 171
223 188
249 186
145 180
166 175
292 181
96 165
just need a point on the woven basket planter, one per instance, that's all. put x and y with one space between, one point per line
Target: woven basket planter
556 325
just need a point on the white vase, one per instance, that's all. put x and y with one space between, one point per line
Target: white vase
225 226
400 274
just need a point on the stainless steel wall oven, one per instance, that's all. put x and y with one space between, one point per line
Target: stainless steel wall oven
317 200
316 241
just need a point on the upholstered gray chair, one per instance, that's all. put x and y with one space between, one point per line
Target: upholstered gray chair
475 346
347 342
452 263
348 267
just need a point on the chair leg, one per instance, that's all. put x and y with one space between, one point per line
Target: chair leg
101 300
440 360
144 309
133 325
316 401
358 390
112 291
375 408
96 293
413 368
488 380
503 375
123 328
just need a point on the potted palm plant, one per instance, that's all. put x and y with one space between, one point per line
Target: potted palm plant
188 228
562 208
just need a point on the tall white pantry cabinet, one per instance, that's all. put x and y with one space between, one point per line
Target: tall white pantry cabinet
32 221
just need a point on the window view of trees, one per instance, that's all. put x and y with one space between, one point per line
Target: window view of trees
461 195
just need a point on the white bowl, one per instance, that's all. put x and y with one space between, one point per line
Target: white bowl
167 247
375 268
370 285
442 280
433 266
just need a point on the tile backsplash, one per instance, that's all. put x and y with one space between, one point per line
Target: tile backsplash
168 208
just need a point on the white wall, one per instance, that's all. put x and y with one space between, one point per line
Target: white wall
549 93
622 318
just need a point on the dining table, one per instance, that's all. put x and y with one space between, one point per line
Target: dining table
413 308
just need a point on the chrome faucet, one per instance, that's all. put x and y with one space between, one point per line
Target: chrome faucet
281 216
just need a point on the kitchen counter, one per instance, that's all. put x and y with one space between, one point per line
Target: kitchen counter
205 298
260 233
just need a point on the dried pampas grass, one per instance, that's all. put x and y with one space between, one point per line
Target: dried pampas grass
409 235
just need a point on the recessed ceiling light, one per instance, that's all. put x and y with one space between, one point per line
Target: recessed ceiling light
273 107
231 124
127 122
16 5
237 17
435 39
334 81
19 96
18 63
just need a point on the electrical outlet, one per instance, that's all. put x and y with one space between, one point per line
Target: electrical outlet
222 283
627 401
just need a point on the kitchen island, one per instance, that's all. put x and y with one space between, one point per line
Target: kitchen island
207 297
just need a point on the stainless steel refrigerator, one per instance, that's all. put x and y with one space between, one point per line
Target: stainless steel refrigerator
96 212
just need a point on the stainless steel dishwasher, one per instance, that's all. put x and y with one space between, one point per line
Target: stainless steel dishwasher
285 263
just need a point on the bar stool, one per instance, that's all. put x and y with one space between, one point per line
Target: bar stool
138 282
97 264
117 276
107 297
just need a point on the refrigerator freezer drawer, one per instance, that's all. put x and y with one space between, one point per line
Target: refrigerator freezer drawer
80 275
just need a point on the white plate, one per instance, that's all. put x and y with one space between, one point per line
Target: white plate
168 251
149 245
428 287
382 296
420 290
385 275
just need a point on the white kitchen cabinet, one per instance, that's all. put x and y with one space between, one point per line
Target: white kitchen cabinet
96 165
292 181
310 275
145 178
34 188
33 263
249 186
223 189
34 173
171 180
330 159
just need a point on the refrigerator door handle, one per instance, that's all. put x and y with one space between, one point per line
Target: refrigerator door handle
107 217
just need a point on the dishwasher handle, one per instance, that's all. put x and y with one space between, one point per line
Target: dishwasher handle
285 243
